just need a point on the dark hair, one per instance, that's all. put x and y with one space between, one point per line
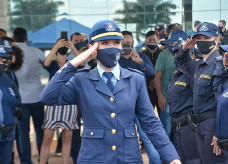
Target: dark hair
150 33
19 34
127 33
196 23
223 22
1 29
8 39
19 55
76 33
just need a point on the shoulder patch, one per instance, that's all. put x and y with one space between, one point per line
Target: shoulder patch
83 70
135 70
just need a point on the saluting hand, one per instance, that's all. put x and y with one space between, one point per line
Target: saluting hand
84 55
190 43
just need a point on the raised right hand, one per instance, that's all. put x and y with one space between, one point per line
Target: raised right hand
61 43
190 43
84 55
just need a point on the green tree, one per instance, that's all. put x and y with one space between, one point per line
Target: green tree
33 14
145 13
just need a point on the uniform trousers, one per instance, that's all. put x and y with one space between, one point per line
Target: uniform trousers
226 154
36 110
6 147
205 132
187 145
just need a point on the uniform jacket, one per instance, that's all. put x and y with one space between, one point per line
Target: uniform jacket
204 87
179 92
109 134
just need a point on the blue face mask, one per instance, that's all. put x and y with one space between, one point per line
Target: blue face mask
109 56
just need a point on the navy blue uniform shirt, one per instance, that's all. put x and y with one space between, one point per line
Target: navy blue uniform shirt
204 95
222 115
146 66
8 100
179 92
1 112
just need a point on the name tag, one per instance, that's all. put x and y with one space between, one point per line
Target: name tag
205 76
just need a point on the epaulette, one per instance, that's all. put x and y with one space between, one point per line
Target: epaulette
83 70
219 58
135 70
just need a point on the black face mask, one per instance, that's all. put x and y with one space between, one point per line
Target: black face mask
205 47
62 50
161 36
3 69
152 46
126 49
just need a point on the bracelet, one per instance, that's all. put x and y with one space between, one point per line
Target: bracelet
140 61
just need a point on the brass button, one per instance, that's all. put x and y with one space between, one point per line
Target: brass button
113 131
114 148
133 134
113 115
91 133
112 99
60 71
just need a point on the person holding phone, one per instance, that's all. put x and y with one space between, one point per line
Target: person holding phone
109 97
58 116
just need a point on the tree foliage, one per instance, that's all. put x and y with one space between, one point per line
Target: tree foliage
33 14
144 13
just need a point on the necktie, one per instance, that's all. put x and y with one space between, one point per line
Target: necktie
109 75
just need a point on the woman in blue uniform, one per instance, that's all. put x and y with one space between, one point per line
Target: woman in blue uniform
109 98
60 116
222 104
7 127
180 99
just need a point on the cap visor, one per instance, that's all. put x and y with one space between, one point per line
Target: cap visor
109 37
203 33
223 48
168 42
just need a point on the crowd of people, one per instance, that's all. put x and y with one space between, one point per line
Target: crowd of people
102 81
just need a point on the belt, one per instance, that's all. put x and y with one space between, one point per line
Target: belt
203 116
4 130
179 121
223 144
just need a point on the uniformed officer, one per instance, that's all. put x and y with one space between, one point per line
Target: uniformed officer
204 95
109 97
180 99
222 103
7 127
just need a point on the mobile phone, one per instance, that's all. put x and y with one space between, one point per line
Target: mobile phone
64 35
